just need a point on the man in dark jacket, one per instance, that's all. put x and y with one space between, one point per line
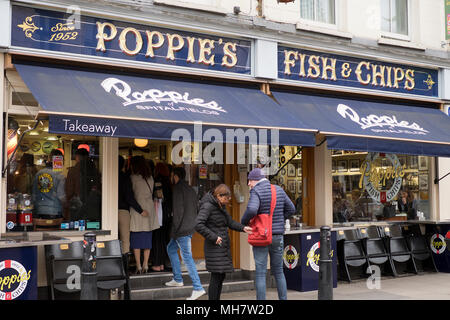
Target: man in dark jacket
185 205
259 202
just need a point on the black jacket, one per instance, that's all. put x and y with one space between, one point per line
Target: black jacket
126 195
212 222
185 206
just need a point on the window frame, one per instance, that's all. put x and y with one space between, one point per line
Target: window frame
320 24
393 35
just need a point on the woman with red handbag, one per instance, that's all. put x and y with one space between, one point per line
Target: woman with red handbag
267 210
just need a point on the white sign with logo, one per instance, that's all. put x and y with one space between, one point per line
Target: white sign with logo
380 123
123 90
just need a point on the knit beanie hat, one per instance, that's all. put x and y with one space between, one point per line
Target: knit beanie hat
256 174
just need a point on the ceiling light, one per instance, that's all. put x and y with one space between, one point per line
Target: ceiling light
140 142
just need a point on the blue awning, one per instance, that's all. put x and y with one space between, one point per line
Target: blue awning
355 125
90 102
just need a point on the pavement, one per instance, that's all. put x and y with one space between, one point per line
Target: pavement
426 286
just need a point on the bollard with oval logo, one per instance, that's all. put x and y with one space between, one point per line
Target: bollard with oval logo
325 265
89 268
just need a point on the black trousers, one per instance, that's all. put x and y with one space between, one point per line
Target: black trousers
215 285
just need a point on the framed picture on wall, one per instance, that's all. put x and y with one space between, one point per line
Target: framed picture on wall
423 182
299 171
291 172
299 187
354 165
342 166
291 186
412 162
423 163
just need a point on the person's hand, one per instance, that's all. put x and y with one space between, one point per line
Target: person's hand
219 241
248 230
145 213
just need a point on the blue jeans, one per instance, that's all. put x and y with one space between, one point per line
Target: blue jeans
275 250
184 244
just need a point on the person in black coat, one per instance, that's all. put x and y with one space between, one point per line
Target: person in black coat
213 222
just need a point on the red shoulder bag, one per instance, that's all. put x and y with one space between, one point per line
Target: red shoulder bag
261 225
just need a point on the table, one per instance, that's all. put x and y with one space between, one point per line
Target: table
18 264
301 258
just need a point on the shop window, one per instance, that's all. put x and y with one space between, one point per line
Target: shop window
322 11
376 186
52 177
289 177
394 16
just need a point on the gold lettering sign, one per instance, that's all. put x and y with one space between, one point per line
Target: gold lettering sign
374 178
102 36
367 73
123 41
155 40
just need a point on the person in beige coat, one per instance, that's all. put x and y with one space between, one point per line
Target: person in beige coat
142 224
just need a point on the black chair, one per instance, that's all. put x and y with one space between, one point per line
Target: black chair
111 270
418 245
375 248
64 269
350 252
397 246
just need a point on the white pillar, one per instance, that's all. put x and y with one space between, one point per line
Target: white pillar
110 186
246 260
323 186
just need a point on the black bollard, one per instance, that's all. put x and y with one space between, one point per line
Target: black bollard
89 268
325 265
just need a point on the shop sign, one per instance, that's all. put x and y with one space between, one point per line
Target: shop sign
447 19
324 68
380 123
375 178
62 32
12 286
313 257
18 276
290 257
437 243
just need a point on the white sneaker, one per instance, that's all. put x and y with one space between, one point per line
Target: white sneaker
173 283
196 294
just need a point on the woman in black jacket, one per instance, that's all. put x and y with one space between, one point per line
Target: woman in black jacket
213 222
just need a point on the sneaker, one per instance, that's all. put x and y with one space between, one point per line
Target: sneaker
173 283
196 294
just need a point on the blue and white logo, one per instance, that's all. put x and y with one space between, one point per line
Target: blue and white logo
10 225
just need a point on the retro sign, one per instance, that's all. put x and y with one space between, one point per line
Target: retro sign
62 32
325 68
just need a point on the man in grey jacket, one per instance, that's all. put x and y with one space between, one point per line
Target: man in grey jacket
185 205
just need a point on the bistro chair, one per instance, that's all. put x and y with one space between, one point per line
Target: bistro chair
418 245
111 270
397 246
64 269
350 253
375 248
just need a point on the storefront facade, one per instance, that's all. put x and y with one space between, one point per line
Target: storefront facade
321 174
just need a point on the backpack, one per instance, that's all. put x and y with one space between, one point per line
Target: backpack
261 225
